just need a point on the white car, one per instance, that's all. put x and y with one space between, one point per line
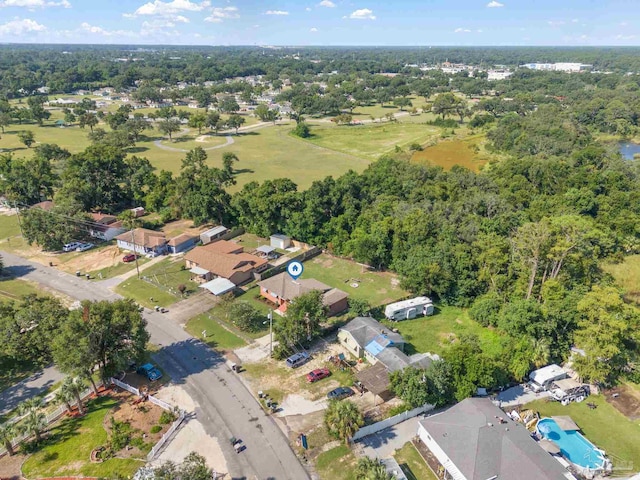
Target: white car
70 247
84 246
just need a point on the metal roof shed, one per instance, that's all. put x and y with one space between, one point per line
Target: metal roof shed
547 374
219 286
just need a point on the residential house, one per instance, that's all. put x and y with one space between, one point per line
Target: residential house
106 227
281 290
143 241
223 259
475 440
182 243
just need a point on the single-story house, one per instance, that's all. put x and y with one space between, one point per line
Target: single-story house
213 234
108 227
182 243
223 259
281 289
143 241
475 440
280 241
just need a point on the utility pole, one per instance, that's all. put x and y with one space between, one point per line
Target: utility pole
270 317
15 205
135 254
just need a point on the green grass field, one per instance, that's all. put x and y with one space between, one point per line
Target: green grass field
218 337
412 464
377 288
67 450
435 333
605 426
627 275
14 289
188 142
370 141
9 226
336 464
467 152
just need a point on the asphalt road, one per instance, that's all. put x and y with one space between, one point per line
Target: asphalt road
225 407
29 387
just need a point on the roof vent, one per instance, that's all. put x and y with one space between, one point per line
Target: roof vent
489 424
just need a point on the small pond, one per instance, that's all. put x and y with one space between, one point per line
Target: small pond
629 149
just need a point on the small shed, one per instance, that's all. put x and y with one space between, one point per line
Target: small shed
213 234
280 241
265 251
138 212
219 286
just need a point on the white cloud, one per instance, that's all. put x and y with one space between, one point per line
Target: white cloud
276 12
494 4
218 14
462 30
327 3
623 24
181 19
308 9
363 14
101 31
625 37
555 23
18 27
575 20
158 7
32 4
479 30
313 29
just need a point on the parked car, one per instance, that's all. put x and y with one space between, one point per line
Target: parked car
298 359
70 247
84 247
339 393
318 374
129 258
149 371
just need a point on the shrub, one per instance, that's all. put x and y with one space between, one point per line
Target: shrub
120 434
246 317
485 310
398 409
415 147
448 123
302 130
166 418
155 429
358 307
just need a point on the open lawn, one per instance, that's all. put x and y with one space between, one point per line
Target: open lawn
69 445
434 333
142 292
117 269
336 464
627 275
605 426
218 337
14 289
9 226
188 142
468 152
370 141
412 464
377 288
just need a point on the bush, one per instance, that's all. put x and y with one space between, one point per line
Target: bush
415 147
485 310
358 307
155 429
302 130
166 418
139 442
397 410
280 352
448 123
246 317
120 434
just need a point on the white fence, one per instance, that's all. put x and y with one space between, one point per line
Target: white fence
126 386
51 417
390 422
160 403
166 437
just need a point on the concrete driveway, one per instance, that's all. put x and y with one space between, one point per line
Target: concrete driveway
518 396
384 443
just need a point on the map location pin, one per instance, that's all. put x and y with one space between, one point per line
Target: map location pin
294 269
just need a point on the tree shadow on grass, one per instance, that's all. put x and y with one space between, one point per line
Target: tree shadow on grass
137 149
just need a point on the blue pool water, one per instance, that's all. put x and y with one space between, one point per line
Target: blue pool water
572 444
629 149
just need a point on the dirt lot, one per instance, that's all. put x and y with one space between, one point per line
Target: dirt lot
626 400
178 227
93 260
10 466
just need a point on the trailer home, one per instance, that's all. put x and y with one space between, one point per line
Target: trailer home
408 309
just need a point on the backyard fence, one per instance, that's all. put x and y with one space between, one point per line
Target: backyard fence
167 436
390 422
305 255
160 403
50 418
125 386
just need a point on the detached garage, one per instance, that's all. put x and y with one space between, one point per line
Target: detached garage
219 286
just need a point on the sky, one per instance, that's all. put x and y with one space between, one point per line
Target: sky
322 22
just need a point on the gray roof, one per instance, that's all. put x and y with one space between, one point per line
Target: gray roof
365 329
482 446
265 249
395 359
287 288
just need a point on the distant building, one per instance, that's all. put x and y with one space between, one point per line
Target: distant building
106 227
143 241
493 75
558 67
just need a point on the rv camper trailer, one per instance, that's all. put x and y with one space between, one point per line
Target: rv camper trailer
408 309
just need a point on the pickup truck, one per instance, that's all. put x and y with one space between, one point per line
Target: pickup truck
149 371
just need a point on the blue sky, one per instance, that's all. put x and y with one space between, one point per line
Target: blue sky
322 22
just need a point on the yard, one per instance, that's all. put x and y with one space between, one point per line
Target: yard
336 464
69 445
371 140
434 333
627 275
14 289
9 227
605 426
412 464
218 337
377 288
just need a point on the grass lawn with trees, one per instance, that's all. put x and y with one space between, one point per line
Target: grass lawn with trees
412 464
627 275
370 141
339 463
218 337
69 445
435 333
604 426
377 288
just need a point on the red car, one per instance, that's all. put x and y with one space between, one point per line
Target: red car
129 258
318 374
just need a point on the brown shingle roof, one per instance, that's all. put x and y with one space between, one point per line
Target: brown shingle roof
144 237
287 288
103 218
180 239
46 205
224 258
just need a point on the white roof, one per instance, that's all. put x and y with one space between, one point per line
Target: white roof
413 302
218 286
547 374
216 230
265 249
199 271
280 236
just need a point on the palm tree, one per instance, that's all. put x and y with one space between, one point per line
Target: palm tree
74 387
34 421
63 397
372 469
7 433
541 352
343 419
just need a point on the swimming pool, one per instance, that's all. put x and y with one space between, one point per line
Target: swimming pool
572 444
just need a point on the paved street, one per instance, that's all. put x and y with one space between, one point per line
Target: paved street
29 387
223 405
